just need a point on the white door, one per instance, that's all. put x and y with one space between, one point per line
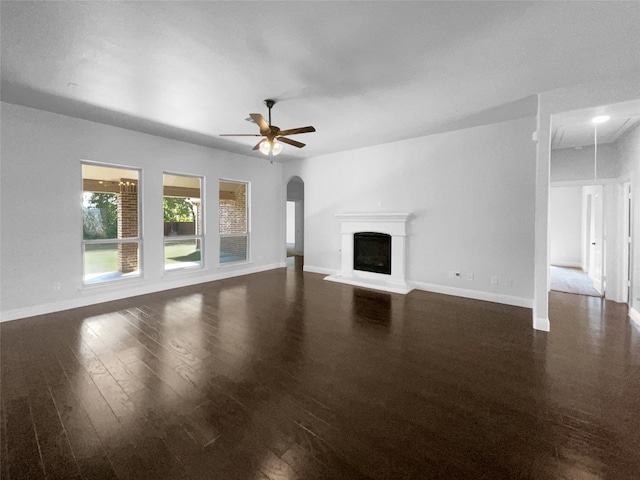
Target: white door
596 252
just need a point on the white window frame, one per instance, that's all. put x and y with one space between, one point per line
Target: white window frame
247 232
196 237
108 241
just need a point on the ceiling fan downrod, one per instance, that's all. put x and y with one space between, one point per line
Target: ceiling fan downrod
269 103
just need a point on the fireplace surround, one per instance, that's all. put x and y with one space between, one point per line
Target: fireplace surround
393 225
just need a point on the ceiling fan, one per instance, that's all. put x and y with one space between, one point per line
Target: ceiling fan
273 135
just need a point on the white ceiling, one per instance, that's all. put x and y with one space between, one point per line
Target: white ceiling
575 128
362 73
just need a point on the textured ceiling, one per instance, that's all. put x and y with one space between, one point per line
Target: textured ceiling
363 73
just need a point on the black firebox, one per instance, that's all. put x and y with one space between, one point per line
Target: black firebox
372 252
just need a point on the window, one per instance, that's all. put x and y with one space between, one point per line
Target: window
110 229
234 230
183 232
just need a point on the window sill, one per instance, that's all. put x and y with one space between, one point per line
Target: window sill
234 264
114 283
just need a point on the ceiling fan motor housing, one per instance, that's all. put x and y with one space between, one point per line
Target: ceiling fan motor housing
273 131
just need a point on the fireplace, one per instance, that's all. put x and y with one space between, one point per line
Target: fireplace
372 252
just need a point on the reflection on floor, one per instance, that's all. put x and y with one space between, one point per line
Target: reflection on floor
295 262
291 250
572 280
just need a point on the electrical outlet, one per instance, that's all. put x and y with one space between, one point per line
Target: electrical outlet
470 276
452 274
57 286
494 280
458 275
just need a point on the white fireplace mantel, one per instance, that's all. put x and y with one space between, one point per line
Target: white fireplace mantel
393 224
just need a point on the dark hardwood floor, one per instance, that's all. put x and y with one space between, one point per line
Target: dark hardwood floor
281 375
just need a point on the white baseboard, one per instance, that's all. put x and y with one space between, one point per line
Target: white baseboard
446 290
132 289
635 315
98 296
324 271
475 294
597 284
541 324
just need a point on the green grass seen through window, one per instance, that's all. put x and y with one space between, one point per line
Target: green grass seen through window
104 258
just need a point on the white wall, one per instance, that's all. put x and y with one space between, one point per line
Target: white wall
570 164
613 195
565 218
471 193
42 217
629 150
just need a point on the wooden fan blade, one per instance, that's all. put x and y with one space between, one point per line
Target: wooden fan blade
240 135
291 142
262 123
257 147
295 131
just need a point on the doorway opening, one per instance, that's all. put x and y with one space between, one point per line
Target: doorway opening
589 203
294 236
576 240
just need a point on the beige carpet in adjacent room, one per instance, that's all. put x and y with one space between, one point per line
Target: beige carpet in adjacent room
572 280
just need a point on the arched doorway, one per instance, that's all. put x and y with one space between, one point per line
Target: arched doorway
295 223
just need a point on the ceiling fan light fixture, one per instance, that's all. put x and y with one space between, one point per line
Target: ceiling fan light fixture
265 147
276 148
600 119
